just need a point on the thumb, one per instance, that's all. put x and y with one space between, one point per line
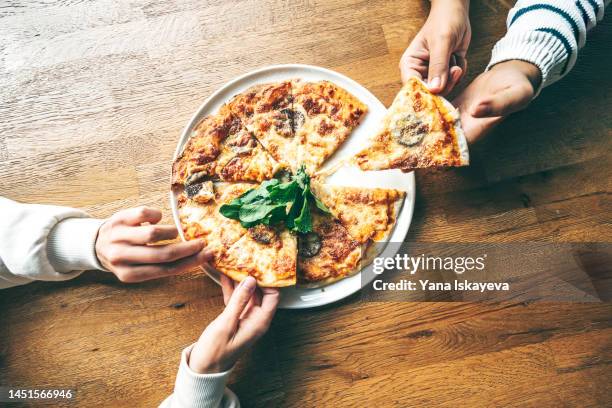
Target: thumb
503 102
239 300
439 58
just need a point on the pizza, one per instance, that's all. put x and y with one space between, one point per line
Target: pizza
419 130
325 116
298 122
368 214
266 253
198 208
267 111
272 134
328 253
222 149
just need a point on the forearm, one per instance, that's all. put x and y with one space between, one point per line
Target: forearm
548 34
200 390
44 242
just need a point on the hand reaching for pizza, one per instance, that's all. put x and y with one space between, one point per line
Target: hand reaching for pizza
247 316
437 53
506 88
122 247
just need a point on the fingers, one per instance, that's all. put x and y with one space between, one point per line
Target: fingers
259 319
407 73
239 300
508 100
145 234
269 301
154 254
414 60
138 215
454 77
227 287
437 75
142 273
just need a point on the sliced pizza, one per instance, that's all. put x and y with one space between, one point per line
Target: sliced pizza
324 116
267 112
268 253
328 253
222 149
368 214
197 161
420 129
242 158
198 208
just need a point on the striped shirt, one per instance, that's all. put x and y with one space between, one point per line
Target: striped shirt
548 33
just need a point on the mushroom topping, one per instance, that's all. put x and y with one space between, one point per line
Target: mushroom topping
283 175
409 130
200 192
263 233
242 143
288 121
196 177
309 244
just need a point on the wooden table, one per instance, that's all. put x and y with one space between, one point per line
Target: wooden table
93 98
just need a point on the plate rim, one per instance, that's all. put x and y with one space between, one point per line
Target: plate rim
196 117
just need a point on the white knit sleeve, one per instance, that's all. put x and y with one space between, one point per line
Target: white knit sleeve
193 390
548 33
44 242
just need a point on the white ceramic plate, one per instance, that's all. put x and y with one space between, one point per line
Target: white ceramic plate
301 297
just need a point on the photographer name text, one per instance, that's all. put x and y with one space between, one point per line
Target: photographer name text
424 284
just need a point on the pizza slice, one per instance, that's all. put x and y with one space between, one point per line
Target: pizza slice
368 214
268 253
222 149
197 161
198 208
267 111
324 116
328 253
242 158
420 129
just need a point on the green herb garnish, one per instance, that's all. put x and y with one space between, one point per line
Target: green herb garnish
274 202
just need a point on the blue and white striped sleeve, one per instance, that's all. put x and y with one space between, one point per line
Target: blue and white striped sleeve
548 33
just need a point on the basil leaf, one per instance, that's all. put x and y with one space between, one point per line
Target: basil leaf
285 193
258 194
230 210
274 202
302 178
320 204
294 212
303 222
255 212
277 215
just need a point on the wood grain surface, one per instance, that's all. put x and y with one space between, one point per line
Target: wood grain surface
93 97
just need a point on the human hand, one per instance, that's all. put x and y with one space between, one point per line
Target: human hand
247 316
437 53
122 247
506 88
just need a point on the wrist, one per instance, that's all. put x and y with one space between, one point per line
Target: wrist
207 368
205 359
529 70
465 4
